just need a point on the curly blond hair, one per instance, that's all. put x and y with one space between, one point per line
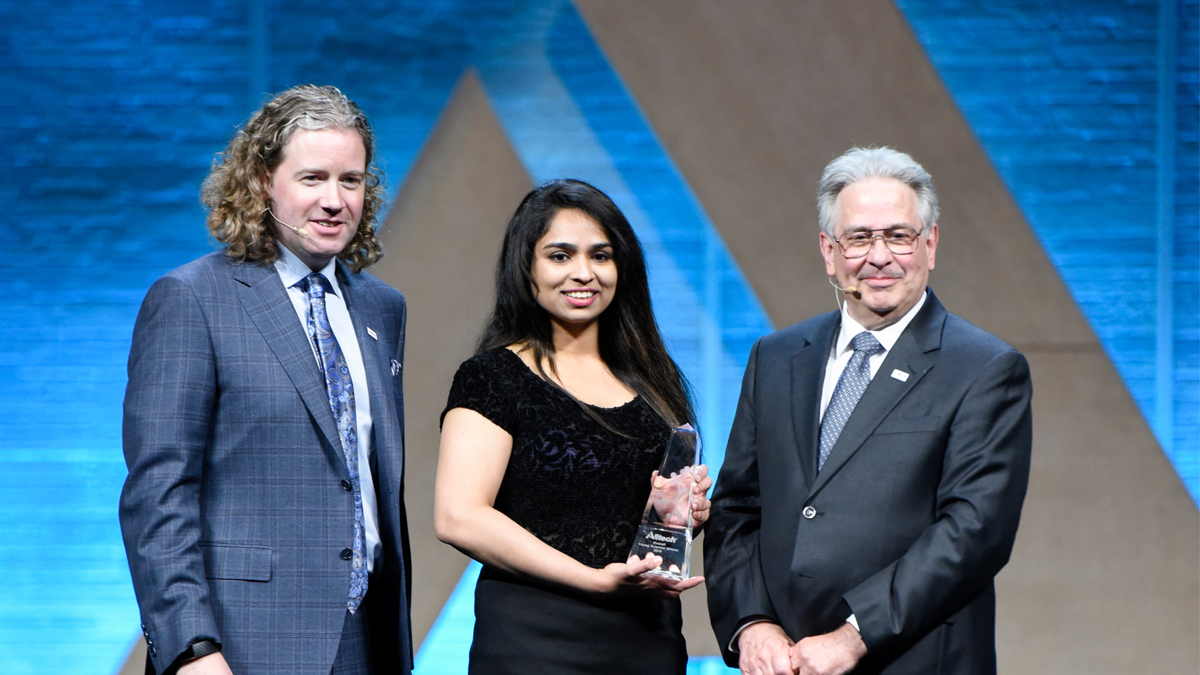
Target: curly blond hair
236 191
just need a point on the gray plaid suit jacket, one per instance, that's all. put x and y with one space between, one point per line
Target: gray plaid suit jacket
233 514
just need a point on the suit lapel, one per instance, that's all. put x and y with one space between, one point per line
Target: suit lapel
365 314
914 353
266 301
808 376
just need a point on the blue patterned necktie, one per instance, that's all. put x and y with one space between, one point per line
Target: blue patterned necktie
341 401
850 388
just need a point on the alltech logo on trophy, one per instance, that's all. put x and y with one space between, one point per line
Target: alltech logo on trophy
666 529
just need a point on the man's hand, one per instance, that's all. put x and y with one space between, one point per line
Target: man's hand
763 649
829 654
213 664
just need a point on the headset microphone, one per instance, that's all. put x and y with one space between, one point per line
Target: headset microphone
302 233
851 290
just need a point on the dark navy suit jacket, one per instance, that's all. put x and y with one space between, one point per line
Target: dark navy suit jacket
910 519
233 514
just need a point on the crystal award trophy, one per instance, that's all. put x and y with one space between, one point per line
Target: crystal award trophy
666 529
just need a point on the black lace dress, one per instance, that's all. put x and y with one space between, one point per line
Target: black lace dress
580 488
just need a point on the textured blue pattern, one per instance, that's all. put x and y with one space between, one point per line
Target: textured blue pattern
120 110
1063 95
341 401
119 105
850 387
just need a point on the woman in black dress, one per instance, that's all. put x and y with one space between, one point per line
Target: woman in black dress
549 440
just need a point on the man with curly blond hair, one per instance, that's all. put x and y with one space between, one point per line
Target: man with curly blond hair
263 514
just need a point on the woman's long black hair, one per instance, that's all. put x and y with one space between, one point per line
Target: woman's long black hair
630 343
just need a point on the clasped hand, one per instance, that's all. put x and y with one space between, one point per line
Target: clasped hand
764 649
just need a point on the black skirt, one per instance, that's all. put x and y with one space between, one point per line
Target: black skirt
522 627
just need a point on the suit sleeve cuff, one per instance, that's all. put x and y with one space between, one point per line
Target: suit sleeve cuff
752 619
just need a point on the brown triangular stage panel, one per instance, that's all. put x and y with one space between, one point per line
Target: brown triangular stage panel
751 100
442 239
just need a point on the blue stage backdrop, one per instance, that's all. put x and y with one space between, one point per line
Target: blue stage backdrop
1089 112
115 110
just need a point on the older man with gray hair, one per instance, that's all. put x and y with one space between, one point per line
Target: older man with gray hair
878 460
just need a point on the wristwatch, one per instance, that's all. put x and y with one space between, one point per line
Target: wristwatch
194 651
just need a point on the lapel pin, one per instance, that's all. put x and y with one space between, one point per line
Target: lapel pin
395 367
900 375
372 333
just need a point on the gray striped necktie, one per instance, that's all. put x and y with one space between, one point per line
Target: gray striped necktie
850 388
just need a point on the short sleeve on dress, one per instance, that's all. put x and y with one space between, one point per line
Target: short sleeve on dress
483 385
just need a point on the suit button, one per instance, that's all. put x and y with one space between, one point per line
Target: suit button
153 651
346 486
810 512
347 554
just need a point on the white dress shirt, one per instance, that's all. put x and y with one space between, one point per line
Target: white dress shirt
842 350
292 271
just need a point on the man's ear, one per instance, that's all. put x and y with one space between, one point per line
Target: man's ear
931 241
828 250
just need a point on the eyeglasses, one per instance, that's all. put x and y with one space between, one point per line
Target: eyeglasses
898 240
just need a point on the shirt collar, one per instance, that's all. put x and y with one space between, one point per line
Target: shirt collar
887 336
292 271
